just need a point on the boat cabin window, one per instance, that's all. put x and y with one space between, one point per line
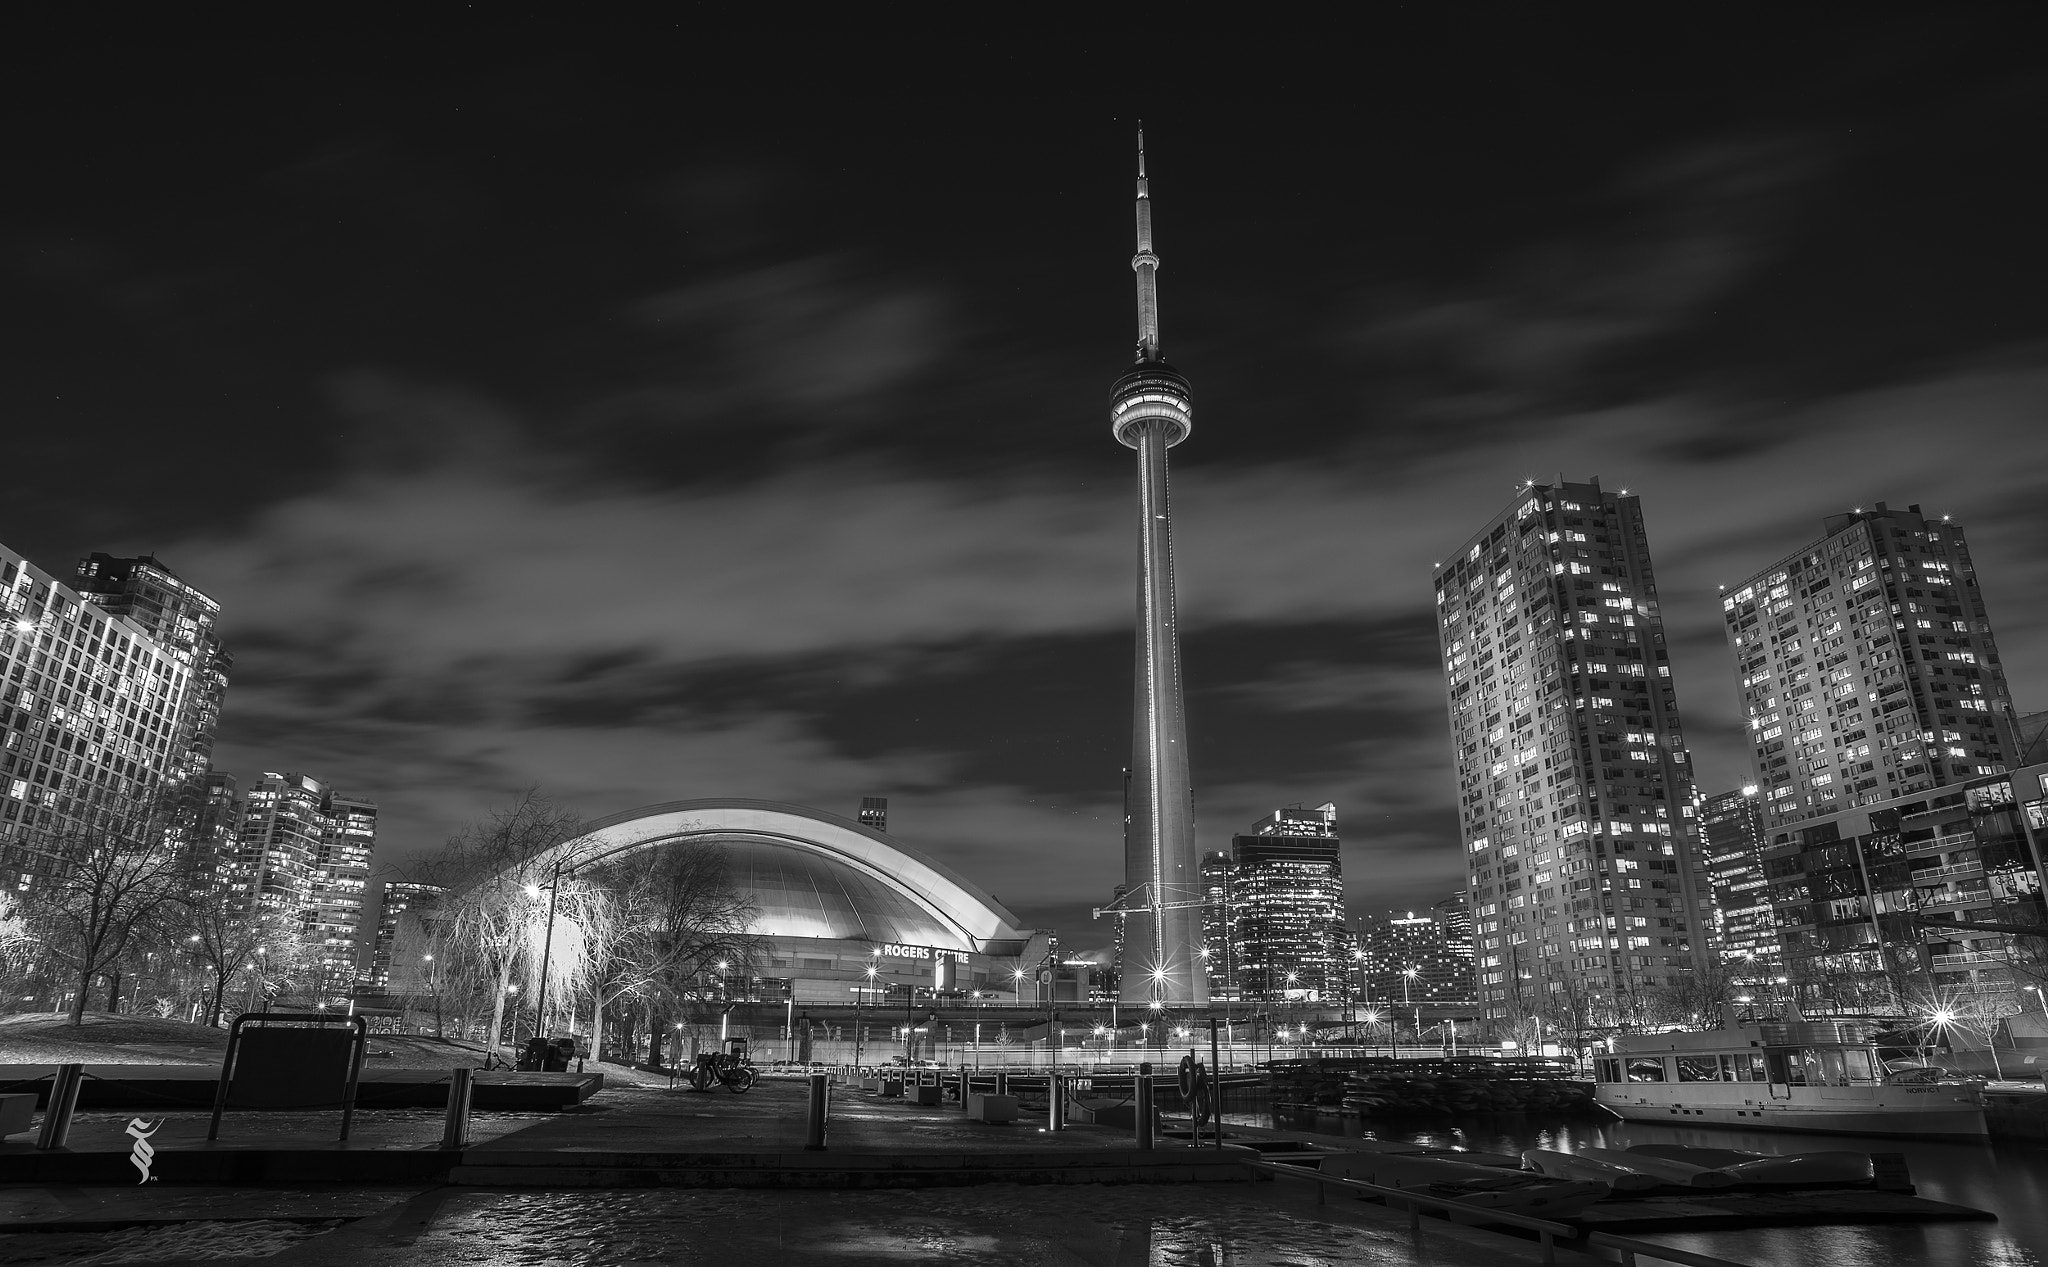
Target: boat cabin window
1607 1069
1646 1069
1860 1066
1743 1067
1785 1066
1844 1067
1699 1068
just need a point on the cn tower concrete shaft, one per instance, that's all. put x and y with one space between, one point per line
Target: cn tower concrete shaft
1151 410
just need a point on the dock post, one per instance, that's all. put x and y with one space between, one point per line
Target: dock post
1055 1103
455 1126
814 1126
57 1110
1143 1116
1215 1086
1002 1082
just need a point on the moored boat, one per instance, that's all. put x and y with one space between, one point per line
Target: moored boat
1562 1165
1679 1174
1798 1075
1771 1170
1491 1187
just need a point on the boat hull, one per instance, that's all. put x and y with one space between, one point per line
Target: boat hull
1954 1116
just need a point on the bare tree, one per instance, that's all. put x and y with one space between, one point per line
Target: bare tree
493 872
110 870
222 940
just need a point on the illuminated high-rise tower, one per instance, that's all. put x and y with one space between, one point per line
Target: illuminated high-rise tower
1151 410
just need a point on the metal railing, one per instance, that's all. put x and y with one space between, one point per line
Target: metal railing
1549 1235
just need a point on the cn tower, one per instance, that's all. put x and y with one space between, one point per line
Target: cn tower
1151 410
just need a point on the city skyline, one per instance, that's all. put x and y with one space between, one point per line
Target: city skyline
743 464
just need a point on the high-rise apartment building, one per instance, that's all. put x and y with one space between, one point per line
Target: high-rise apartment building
1867 667
1288 895
301 865
1732 844
1219 913
397 898
95 710
184 621
1575 787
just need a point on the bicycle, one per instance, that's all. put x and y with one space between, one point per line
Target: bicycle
730 1068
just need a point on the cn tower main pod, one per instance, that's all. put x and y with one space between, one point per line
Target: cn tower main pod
1151 410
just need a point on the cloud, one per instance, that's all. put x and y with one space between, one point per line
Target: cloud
1666 238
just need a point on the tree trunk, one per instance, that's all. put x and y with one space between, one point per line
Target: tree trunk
114 990
78 1001
491 1039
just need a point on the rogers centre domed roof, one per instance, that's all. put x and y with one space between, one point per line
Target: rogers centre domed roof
813 874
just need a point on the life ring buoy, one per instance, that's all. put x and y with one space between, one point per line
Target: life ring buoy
1187 1076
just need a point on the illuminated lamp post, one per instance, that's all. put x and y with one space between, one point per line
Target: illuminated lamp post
1407 978
547 947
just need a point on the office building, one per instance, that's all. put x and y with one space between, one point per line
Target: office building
1732 844
1454 914
1875 905
1867 666
1219 912
1575 787
1288 889
97 715
874 812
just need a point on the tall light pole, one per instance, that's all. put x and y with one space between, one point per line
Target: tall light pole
1407 977
547 947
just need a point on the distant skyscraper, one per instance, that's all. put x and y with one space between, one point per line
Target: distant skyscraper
1288 895
1867 667
874 812
1219 915
1455 914
1732 842
1575 789
1411 958
301 867
1151 410
95 708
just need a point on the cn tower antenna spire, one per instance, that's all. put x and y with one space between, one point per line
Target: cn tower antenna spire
1146 265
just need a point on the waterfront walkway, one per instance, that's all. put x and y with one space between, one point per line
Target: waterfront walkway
897 1183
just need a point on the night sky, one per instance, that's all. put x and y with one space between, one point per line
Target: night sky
644 413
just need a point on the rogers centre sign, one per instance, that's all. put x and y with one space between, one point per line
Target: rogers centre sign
896 950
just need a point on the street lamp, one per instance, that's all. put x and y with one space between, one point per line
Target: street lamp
1017 985
547 946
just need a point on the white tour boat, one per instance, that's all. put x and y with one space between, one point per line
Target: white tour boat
1782 1076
